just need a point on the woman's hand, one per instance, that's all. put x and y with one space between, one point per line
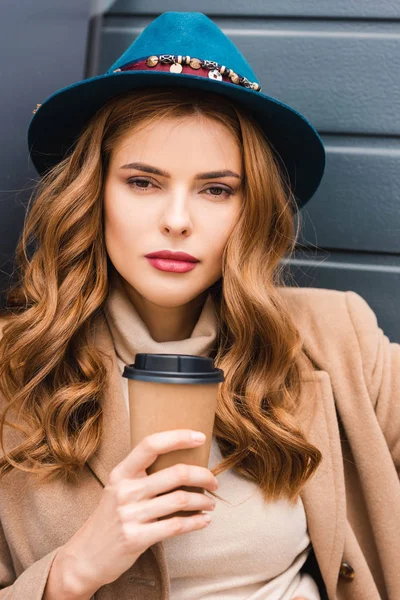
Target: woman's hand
125 524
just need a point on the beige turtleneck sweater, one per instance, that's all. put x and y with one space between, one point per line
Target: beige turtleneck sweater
252 550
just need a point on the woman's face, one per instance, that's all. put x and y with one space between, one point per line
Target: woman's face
172 185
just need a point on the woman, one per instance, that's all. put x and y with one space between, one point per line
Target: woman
168 152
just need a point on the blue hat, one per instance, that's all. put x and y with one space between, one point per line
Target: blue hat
183 49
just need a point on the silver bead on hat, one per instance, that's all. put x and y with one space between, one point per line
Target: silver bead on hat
176 68
215 74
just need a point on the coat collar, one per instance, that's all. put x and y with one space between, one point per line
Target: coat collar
324 494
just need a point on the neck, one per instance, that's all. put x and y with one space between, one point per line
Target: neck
166 324
189 330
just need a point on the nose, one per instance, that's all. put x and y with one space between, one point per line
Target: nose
176 220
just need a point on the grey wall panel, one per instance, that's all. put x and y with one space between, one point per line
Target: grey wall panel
343 76
116 35
357 206
377 280
306 8
43 45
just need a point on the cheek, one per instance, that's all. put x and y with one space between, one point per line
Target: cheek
120 220
220 232
119 229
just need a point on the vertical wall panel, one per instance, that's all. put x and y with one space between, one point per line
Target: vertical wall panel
43 47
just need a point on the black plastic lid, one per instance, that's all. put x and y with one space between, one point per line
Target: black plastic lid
173 368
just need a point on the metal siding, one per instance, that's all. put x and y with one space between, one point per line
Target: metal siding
357 204
359 9
43 44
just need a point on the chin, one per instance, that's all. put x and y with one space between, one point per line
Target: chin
178 291
170 299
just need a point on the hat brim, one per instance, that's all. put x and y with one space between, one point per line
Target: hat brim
60 119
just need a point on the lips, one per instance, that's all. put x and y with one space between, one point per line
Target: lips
169 254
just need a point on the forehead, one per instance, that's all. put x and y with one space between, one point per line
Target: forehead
181 140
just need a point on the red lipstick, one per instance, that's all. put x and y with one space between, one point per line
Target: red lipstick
173 255
175 262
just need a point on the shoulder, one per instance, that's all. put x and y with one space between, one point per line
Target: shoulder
327 309
313 304
334 323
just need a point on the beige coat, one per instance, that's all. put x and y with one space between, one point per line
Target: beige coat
352 503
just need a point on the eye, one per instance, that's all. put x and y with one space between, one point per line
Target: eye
132 181
219 191
143 185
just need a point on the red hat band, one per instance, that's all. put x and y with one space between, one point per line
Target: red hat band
190 66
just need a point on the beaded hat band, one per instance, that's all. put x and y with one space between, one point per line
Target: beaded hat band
186 64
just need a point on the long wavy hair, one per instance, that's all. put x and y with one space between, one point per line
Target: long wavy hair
52 377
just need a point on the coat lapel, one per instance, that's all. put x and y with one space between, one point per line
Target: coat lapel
115 442
323 496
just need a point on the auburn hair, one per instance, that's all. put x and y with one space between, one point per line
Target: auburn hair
52 377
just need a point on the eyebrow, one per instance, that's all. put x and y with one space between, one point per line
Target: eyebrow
149 169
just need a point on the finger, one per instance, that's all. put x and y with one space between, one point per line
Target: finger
148 449
164 481
170 478
162 506
150 533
